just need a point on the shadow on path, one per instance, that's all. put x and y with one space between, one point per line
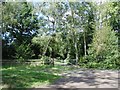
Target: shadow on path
87 79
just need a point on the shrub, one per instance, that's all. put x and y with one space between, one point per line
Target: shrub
47 60
23 52
103 52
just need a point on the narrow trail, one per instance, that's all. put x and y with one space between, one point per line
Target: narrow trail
86 79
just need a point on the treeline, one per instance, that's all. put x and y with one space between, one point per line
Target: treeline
80 33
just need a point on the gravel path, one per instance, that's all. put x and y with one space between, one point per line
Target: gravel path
87 79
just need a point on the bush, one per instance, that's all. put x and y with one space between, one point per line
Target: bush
104 49
47 60
23 52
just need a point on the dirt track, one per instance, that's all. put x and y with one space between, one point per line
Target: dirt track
87 79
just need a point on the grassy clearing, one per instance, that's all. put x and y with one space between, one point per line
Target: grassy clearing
26 76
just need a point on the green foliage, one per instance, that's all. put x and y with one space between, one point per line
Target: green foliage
66 30
47 60
23 52
20 22
8 51
103 52
104 48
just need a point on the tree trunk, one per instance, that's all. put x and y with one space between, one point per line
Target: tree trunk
85 50
76 53
74 38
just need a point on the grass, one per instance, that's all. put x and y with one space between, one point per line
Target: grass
21 77
26 76
15 77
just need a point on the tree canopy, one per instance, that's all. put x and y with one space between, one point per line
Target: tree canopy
80 33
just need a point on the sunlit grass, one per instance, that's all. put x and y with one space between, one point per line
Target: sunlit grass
25 76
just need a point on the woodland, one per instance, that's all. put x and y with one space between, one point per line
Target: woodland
82 34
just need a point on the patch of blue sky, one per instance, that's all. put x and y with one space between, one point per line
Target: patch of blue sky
33 32
6 34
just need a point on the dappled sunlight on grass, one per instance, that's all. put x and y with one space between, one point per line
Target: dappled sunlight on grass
9 68
26 76
37 84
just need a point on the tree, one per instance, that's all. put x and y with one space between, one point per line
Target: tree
82 19
66 20
19 22
104 47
